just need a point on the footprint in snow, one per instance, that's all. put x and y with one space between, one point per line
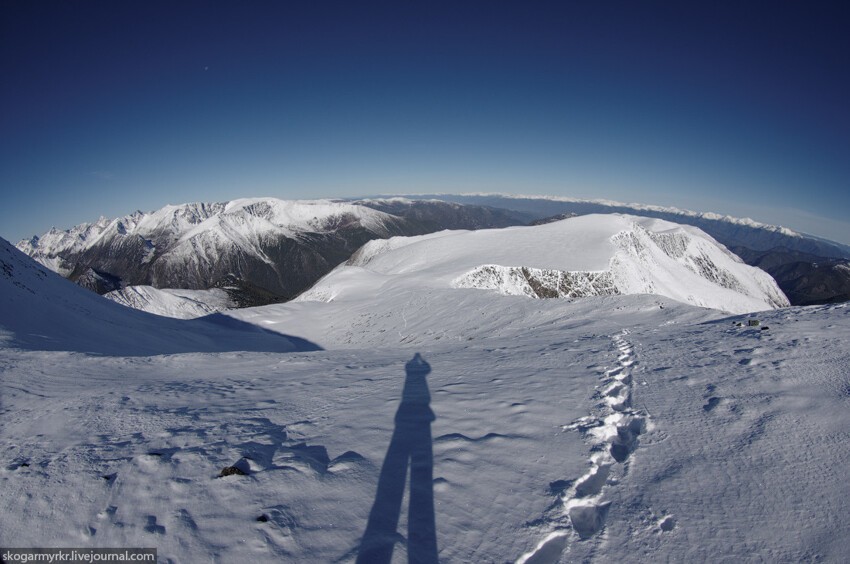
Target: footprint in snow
153 527
667 523
712 403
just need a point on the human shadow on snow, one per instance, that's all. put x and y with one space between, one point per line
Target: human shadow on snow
410 444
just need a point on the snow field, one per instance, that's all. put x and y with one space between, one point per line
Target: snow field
613 428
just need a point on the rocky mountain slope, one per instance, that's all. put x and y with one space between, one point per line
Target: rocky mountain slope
806 279
260 250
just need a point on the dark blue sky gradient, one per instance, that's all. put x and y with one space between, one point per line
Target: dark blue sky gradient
108 107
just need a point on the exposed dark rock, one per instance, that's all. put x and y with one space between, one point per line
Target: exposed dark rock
100 282
553 219
231 471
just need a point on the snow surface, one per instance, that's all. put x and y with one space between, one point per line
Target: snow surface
581 256
613 428
41 310
178 303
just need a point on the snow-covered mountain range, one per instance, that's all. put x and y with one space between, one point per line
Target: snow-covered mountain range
579 257
278 246
266 250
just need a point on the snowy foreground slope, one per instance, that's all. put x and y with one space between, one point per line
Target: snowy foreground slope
578 257
42 311
601 429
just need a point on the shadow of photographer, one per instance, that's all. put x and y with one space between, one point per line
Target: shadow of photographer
411 443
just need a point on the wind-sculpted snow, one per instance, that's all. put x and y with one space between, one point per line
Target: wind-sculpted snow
612 428
613 432
594 255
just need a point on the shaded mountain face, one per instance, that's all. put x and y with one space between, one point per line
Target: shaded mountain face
264 251
806 279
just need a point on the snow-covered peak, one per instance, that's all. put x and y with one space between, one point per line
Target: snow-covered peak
308 215
582 256
233 222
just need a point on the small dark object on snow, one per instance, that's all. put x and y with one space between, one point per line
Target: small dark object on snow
231 471
262 518
765 328
753 322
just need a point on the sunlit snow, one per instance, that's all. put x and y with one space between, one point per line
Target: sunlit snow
609 428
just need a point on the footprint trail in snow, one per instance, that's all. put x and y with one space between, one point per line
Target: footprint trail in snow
613 435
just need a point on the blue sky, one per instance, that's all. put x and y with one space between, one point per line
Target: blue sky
739 108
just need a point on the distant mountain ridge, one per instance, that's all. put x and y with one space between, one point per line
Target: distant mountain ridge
260 250
728 230
265 250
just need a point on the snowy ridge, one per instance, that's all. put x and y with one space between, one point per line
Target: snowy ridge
40 310
181 304
579 257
